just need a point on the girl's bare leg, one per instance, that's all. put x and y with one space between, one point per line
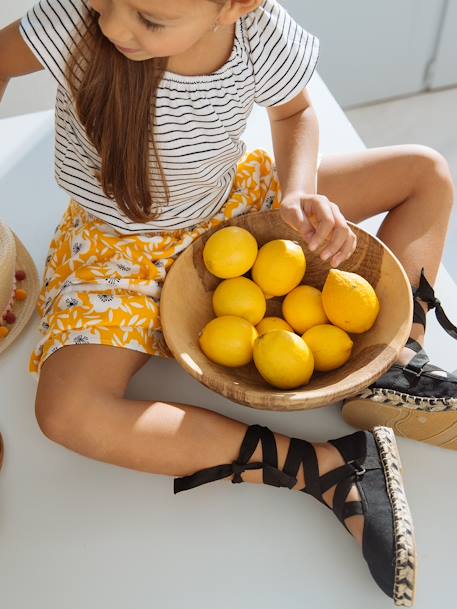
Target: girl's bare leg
414 184
94 419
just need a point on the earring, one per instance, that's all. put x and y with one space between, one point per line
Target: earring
216 26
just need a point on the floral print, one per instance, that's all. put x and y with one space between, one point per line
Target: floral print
103 287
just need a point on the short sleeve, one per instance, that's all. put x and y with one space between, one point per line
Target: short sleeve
49 28
283 54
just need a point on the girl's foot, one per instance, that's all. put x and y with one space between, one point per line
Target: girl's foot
332 460
368 461
414 397
371 503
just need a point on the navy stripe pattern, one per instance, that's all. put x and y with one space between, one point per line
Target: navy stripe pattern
199 119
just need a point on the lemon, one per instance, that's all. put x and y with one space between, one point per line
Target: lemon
230 252
272 323
279 266
239 296
228 340
349 301
331 346
283 359
302 308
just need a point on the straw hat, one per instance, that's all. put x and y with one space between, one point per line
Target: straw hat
17 272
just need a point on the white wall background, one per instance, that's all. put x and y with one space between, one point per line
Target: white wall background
371 50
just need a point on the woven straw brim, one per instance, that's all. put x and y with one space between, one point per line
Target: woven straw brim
23 309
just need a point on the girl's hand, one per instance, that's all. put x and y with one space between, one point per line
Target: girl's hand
320 223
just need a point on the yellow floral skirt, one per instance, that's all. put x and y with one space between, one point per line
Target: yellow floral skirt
103 287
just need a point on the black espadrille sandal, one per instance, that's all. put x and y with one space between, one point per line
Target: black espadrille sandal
419 400
373 464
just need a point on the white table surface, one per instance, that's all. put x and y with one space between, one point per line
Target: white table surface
76 533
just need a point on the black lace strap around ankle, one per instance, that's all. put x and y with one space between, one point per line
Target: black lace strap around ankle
271 474
426 293
303 453
417 364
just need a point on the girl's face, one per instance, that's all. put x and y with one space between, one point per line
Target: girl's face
142 29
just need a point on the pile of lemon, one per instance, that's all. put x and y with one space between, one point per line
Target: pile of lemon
313 332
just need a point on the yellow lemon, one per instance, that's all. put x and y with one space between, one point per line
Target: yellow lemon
228 340
230 252
350 302
283 359
272 323
331 346
239 296
302 308
279 266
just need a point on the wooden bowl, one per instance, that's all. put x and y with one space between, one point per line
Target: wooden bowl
186 306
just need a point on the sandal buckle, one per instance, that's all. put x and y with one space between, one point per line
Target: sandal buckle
413 372
359 470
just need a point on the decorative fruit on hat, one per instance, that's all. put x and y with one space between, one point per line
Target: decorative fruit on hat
19 286
17 294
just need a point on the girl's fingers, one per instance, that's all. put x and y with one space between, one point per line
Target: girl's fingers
346 251
294 216
340 235
326 225
344 241
338 240
321 223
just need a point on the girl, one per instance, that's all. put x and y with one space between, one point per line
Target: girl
152 100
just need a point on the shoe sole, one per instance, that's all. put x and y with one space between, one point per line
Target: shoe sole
437 428
405 543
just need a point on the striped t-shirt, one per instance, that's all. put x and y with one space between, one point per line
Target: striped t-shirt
199 120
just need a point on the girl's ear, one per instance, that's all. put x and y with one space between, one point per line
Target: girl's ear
248 5
237 8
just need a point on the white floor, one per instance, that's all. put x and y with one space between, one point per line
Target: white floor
430 119
80 534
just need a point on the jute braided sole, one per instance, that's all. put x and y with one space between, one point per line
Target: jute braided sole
405 546
430 426
390 396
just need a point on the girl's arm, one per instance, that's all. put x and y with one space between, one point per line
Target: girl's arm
296 145
16 59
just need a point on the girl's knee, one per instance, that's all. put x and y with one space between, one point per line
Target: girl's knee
62 413
53 416
434 168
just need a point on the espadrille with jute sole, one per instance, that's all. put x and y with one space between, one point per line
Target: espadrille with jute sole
418 400
372 463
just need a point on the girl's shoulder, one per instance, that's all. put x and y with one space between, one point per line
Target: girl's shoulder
283 54
266 10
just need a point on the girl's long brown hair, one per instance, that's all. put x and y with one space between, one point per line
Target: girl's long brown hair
116 101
